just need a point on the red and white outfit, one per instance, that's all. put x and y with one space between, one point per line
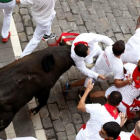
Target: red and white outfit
92 40
129 92
43 13
107 62
99 115
132 49
127 136
8 9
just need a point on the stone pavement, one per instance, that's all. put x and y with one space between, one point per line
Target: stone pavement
114 18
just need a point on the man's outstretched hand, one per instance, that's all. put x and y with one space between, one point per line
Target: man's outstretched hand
102 77
89 85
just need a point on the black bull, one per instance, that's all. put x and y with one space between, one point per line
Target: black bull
33 75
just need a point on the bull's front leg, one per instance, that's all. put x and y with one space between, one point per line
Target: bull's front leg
42 100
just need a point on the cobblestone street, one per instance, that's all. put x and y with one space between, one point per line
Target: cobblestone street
60 119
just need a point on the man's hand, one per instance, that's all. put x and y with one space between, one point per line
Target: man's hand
82 106
102 77
129 80
18 1
89 85
123 118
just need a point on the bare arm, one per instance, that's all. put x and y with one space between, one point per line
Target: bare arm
82 106
118 83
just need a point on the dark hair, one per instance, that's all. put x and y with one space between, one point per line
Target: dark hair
112 129
81 50
118 47
115 98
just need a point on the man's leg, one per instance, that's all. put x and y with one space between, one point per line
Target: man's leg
7 18
78 83
48 35
67 86
38 34
97 94
98 97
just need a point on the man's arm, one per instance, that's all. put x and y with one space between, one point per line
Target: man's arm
81 66
119 83
103 39
82 106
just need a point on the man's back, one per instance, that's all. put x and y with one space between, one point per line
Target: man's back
108 62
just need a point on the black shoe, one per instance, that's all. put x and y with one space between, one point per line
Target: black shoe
47 37
67 87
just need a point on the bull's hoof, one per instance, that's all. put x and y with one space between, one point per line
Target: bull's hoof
32 112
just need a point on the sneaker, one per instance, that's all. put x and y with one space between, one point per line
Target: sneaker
6 39
47 37
67 88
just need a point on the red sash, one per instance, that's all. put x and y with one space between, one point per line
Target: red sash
83 126
65 40
134 104
133 137
112 110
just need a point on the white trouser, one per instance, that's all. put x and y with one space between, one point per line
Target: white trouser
8 9
37 36
23 138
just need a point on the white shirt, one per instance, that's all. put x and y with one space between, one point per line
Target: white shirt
42 10
98 116
125 135
132 49
108 62
92 39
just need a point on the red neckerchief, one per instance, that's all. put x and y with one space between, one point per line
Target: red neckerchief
133 137
80 42
83 127
119 138
136 77
112 110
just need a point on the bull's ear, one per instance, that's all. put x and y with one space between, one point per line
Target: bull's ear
48 62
